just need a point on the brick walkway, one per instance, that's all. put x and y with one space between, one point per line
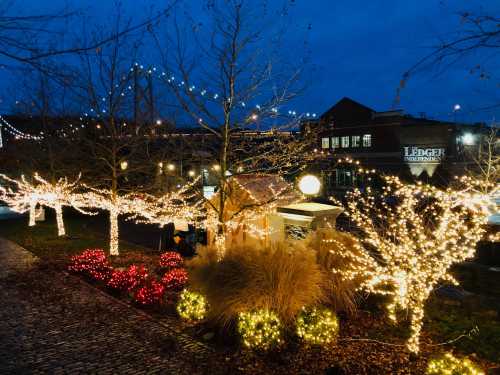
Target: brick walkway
54 323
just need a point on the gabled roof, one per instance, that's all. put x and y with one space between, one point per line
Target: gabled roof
348 110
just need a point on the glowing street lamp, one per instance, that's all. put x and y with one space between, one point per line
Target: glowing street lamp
309 184
468 139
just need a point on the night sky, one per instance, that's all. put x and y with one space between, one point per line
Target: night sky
360 49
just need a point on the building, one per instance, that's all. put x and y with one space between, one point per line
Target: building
390 142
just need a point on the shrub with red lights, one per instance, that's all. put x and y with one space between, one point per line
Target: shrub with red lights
92 263
129 279
150 293
119 280
171 259
175 280
137 276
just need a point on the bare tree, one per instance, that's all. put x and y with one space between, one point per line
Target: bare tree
232 85
117 162
478 33
486 159
32 39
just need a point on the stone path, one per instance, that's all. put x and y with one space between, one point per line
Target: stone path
54 323
14 258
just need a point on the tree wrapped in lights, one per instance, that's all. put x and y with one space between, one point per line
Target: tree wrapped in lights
182 204
410 236
24 196
107 200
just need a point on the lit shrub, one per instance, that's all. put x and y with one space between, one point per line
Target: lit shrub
150 293
317 325
260 329
175 279
191 305
171 259
129 279
280 277
137 276
448 364
119 280
92 263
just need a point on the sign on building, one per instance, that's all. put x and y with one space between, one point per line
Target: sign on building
415 154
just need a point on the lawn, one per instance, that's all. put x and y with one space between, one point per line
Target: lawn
82 233
475 316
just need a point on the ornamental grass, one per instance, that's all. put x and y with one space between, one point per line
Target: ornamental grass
281 278
336 252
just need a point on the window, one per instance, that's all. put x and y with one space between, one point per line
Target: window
325 142
345 142
367 140
335 142
343 177
356 139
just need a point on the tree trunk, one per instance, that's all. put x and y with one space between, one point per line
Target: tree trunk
32 220
60 222
113 232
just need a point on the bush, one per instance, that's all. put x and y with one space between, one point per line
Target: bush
448 364
150 293
336 251
119 280
171 259
317 325
259 329
278 278
191 305
175 280
92 263
137 276
129 279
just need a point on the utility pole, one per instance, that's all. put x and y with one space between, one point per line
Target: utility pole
151 98
136 98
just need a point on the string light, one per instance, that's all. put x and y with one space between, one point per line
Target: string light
17 133
181 204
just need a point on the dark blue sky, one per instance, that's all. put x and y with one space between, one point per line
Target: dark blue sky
361 48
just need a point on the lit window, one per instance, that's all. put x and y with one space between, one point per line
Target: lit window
335 142
356 139
325 142
345 142
367 140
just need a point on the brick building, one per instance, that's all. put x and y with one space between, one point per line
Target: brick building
391 142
